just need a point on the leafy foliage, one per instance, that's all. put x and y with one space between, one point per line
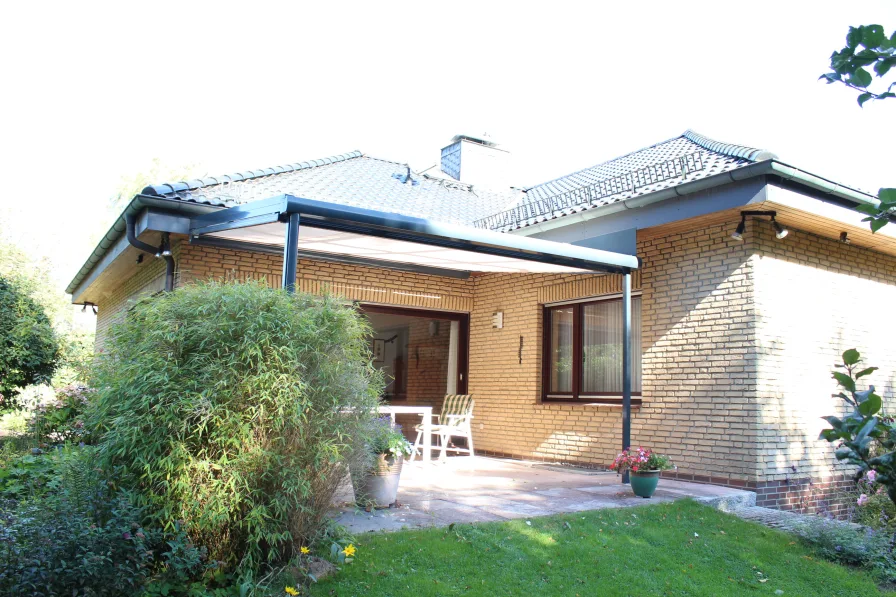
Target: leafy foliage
863 437
866 46
65 532
62 420
847 544
28 348
873 506
35 278
236 409
387 438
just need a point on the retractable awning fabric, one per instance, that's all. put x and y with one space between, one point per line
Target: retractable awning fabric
358 235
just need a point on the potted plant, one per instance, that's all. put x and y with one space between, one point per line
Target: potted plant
387 447
644 467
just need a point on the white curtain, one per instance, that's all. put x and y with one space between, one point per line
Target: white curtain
561 350
602 346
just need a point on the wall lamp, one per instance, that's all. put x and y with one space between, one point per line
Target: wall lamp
780 231
92 306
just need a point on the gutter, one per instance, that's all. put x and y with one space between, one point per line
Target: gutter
766 167
119 229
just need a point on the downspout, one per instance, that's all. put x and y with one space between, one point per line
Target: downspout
164 251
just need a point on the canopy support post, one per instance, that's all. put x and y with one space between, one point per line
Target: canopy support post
626 364
291 253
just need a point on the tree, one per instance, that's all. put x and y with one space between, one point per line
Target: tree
867 46
29 350
35 277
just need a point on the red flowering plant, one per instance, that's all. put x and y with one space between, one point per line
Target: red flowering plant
640 460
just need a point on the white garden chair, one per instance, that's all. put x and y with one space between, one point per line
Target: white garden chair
455 420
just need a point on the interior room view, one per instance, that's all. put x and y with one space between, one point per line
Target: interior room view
422 355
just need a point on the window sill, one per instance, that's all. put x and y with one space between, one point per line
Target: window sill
636 403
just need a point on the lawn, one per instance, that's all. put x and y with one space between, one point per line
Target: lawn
682 548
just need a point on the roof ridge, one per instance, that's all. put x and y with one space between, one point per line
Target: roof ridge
731 149
619 157
168 188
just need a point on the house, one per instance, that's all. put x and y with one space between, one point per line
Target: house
749 277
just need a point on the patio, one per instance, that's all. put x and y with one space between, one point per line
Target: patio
479 489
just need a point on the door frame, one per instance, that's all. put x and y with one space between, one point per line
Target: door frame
463 342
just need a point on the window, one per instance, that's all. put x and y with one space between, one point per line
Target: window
583 351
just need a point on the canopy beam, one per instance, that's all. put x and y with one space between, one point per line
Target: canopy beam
331 216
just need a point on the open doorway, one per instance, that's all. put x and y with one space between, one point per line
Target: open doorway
422 353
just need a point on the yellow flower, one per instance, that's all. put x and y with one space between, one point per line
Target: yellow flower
291 591
349 551
305 551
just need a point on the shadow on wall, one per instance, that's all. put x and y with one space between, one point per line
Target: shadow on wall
815 299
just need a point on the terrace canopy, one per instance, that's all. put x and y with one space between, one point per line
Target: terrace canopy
330 232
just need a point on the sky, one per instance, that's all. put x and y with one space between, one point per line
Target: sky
94 92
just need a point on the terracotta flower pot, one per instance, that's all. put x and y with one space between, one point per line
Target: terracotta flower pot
644 482
379 486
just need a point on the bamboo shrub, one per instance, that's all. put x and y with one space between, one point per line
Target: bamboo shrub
236 409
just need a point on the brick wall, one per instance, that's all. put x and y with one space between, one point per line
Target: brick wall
427 362
738 341
815 298
698 364
149 279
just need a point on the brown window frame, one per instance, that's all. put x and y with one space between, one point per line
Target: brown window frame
463 345
576 396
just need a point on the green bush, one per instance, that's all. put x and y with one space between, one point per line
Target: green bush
62 420
852 545
37 473
236 409
65 532
28 347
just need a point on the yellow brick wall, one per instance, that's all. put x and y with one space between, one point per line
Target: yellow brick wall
149 279
699 364
364 284
815 298
738 339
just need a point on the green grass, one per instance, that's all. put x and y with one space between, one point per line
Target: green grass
670 549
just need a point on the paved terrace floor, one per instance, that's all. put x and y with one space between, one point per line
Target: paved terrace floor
465 490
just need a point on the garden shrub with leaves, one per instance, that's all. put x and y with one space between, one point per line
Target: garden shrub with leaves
62 420
29 350
236 409
64 531
852 545
864 438
37 473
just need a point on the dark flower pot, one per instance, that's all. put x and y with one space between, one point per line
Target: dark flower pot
379 486
644 482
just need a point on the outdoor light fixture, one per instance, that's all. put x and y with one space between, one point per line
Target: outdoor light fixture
844 238
92 306
780 231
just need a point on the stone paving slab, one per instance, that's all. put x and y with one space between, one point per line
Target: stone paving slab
478 489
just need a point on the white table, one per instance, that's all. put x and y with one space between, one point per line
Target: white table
425 412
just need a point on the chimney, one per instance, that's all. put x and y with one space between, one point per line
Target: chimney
477 160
